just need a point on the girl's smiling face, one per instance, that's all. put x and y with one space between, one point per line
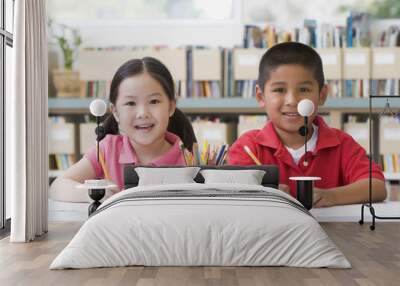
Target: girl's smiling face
142 110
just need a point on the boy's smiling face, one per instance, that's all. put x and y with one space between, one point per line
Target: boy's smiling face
286 86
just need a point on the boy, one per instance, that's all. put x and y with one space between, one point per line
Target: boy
288 73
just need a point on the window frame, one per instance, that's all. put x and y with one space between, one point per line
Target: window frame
6 39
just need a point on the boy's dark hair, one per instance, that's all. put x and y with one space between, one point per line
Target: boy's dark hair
179 124
290 53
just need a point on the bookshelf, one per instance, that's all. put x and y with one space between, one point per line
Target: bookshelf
206 73
332 62
356 63
87 136
385 62
102 64
234 106
61 145
341 65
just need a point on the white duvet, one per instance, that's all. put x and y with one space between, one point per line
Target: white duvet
183 230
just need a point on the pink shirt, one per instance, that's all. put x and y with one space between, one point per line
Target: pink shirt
118 152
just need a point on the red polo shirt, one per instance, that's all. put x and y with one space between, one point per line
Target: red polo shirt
338 159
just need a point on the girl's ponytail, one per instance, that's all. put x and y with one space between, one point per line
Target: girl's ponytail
110 126
180 125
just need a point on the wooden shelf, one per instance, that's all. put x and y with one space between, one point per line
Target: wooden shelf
55 173
392 176
230 105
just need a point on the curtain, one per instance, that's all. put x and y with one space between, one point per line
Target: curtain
26 128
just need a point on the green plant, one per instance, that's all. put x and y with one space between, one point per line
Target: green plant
380 9
68 39
385 8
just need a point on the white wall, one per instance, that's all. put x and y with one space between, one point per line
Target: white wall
170 33
127 29
167 32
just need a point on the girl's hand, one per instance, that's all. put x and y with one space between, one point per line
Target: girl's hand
323 198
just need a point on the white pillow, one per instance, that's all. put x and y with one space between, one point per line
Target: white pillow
162 176
248 177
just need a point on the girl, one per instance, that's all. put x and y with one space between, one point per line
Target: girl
143 108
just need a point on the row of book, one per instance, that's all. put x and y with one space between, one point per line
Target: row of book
390 162
356 88
356 32
213 155
233 73
61 161
183 88
336 88
323 36
206 89
222 76
101 89
62 134
95 88
389 37
214 134
385 87
245 88
360 88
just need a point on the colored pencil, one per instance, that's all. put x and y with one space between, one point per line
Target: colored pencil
104 166
252 156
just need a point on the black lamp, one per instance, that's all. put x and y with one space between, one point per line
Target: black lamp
305 184
305 108
97 188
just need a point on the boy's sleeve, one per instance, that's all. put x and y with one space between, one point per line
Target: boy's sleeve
237 155
356 163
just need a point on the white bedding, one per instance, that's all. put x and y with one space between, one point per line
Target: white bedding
264 229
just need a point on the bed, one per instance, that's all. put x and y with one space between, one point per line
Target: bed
216 219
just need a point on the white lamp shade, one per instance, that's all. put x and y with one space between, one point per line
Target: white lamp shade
98 107
305 107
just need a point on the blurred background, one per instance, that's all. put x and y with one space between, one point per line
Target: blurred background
212 49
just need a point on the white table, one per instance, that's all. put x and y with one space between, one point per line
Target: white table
63 211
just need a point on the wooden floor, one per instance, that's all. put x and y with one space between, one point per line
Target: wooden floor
374 255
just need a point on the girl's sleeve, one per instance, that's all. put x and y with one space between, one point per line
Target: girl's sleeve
91 155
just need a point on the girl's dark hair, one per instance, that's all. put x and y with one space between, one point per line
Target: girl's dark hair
179 124
290 53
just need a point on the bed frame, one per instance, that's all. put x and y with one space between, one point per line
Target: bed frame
270 179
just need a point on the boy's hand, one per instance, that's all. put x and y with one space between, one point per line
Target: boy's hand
323 198
284 188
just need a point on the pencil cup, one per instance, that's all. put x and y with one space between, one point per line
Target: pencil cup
304 190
